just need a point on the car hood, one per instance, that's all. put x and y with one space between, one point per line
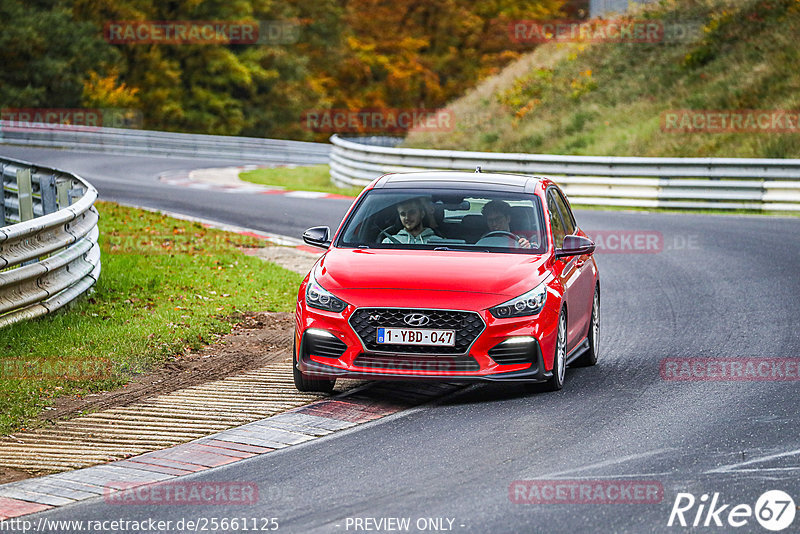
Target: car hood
366 277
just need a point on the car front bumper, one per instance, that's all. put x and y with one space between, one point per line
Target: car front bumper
329 347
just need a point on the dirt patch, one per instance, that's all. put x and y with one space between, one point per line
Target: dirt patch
258 339
11 475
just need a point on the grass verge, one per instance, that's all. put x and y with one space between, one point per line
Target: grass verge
306 178
167 286
610 99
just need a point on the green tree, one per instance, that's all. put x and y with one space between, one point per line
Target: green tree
45 54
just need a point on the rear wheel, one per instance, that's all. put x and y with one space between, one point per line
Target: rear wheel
304 383
590 356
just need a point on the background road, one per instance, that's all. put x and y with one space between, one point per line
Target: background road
135 180
724 286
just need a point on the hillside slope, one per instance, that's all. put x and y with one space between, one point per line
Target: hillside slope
612 98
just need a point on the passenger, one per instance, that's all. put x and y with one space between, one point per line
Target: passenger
430 214
498 219
412 214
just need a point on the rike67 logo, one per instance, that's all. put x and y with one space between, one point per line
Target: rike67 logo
774 510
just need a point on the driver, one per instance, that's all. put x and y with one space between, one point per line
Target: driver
498 219
412 213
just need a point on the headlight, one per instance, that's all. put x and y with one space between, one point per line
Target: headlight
319 297
529 303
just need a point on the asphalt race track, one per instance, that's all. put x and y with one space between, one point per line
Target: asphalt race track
134 180
716 287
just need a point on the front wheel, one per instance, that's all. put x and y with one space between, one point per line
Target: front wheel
556 382
590 356
306 384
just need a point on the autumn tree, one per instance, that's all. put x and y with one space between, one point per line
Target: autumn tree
45 54
348 54
417 53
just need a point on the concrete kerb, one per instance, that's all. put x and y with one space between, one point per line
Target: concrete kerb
317 420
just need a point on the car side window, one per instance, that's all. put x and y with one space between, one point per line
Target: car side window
566 213
556 224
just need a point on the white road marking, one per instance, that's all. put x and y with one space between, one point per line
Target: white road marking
605 463
734 467
642 476
305 194
762 470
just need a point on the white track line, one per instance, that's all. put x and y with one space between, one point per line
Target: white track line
734 467
606 463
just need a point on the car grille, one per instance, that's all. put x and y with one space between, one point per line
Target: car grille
417 363
514 353
327 347
467 325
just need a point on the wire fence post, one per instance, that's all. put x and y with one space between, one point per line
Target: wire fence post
62 194
47 186
25 194
2 195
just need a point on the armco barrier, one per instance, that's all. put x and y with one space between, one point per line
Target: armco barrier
49 254
706 183
152 143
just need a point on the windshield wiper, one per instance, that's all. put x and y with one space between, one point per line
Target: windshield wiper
461 249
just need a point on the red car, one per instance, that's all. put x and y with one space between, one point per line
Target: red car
449 275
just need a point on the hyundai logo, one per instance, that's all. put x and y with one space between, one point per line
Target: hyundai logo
416 319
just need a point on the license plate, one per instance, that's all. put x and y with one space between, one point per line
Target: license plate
417 336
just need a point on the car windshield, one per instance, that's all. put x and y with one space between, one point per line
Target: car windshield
446 220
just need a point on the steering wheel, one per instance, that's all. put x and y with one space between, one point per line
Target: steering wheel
392 238
510 235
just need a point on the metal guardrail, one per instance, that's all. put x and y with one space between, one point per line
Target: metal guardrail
704 183
152 143
49 254
601 8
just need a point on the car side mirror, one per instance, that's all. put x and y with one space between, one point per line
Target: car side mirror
575 245
318 236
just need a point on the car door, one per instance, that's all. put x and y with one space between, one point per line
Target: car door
565 268
577 275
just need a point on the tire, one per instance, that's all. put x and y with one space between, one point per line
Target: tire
556 382
589 357
306 384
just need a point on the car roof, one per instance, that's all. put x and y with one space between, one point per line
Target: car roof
448 179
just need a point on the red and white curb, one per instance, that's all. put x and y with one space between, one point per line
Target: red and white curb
299 425
225 180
